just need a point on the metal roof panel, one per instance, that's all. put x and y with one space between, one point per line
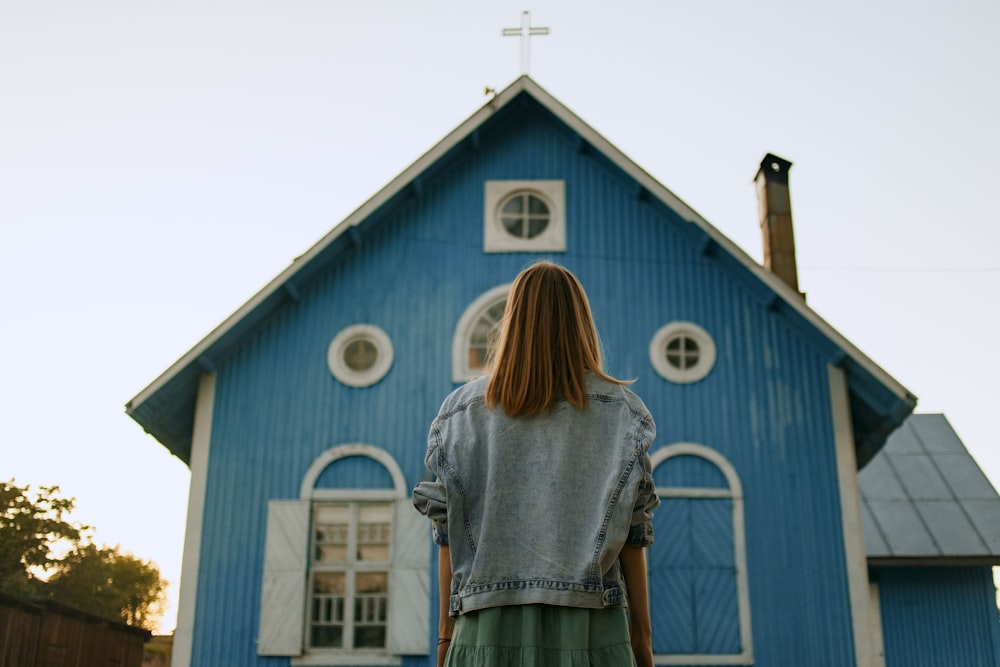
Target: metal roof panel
906 532
950 528
937 436
880 482
920 477
924 496
985 516
964 477
875 544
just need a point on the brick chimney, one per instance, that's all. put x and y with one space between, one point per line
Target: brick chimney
776 219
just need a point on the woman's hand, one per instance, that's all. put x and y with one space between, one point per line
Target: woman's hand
443 651
642 648
633 563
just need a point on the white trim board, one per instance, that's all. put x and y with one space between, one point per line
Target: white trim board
188 592
850 515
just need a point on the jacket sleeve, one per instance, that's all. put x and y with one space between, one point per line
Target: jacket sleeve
641 525
431 497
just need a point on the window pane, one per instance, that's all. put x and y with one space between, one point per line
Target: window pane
327 636
360 354
496 310
329 583
537 226
537 206
374 528
370 609
369 636
484 333
477 357
327 609
481 331
514 206
514 225
331 524
372 582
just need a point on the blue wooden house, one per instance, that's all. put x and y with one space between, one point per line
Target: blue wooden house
303 418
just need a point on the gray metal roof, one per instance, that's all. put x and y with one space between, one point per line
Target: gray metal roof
924 497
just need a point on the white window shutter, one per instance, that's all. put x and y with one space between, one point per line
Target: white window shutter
409 582
283 590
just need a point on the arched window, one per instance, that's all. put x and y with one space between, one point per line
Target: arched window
474 333
346 571
697 565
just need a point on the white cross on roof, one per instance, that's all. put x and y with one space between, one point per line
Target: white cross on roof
525 32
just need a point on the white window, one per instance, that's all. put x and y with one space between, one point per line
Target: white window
349 575
476 332
346 570
524 216
360 355
699 557
682 352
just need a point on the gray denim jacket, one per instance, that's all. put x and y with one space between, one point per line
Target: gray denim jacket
537 509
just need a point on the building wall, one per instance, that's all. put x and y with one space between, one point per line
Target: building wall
415 268
938 617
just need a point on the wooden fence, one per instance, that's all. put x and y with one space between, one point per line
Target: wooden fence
48 634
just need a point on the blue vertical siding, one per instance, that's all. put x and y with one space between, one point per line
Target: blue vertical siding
939 617
764 406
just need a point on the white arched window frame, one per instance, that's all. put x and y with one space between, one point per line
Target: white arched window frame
289 601
461 368
733 492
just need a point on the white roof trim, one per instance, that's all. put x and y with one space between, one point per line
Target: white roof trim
617 157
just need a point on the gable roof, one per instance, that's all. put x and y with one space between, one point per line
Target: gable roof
165 408
925 498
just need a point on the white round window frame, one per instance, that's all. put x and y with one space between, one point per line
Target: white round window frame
706 356
346 374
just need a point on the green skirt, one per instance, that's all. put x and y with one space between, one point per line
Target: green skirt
541 636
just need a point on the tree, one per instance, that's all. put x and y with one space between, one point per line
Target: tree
107 582
30 524
101 580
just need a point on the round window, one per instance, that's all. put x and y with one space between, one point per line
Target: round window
682 352
524 215
360 355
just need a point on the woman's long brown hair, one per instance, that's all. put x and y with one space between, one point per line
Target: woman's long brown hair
547 344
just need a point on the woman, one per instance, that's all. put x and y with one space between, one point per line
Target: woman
542 496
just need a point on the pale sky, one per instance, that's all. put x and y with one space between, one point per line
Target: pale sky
161 161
